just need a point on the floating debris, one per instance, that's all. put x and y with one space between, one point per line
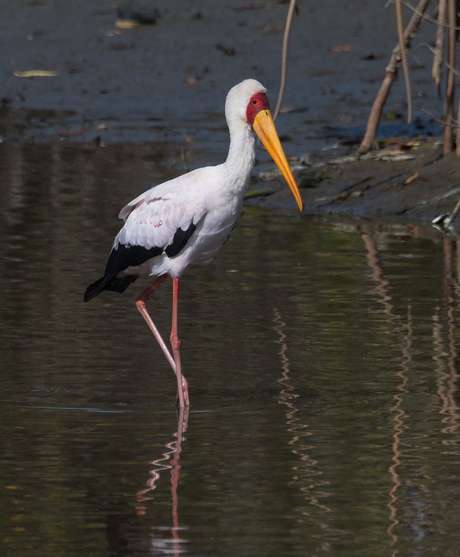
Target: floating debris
440 220
339 160
394 155
36 73
409 180
258 193
128 18
274 173
227 50
446 220
70 133
339 48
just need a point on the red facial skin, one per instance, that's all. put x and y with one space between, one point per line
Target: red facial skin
258 102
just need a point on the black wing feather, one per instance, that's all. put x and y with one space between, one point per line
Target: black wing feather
129 256
181 237
132 256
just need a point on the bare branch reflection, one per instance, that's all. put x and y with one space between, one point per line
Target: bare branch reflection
405 494
382 287
447 380
298 430
399 417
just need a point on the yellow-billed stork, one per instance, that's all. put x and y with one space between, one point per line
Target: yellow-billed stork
187 220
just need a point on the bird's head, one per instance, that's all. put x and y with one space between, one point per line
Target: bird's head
239 99
248 104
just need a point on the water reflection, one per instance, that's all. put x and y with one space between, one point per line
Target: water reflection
448 381
172 455
399 415
399 419
306 474
323 369
446 387
377 273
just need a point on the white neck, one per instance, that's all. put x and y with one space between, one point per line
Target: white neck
241 155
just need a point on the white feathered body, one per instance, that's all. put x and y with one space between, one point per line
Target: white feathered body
211 198
185 220
153 218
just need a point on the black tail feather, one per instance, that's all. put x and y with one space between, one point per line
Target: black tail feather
94 289
120 259
105 283
120 284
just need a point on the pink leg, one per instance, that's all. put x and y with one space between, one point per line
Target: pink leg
182 384
140 304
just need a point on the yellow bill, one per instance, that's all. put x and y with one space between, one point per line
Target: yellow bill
265 129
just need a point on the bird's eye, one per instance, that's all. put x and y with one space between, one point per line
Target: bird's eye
254 101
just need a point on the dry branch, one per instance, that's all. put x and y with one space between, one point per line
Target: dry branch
458 132
427 17
438 52
450 89
402 50
391 75
287 31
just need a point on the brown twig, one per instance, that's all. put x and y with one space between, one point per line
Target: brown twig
454 214
457 150
450 89
454 123
287 32
391 75
402 50
452 69
457 135
438 51
426 17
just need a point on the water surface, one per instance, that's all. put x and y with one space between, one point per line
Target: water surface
322 360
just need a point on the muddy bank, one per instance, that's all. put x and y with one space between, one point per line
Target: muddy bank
197 51
409 182
167 83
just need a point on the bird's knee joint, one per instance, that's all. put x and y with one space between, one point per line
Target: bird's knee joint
140 304
175 343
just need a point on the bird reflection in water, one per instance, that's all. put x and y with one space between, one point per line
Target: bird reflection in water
170 460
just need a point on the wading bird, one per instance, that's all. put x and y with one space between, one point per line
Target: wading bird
187 220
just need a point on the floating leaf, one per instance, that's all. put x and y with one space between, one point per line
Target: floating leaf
339 48
36 73
411 178
258 193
